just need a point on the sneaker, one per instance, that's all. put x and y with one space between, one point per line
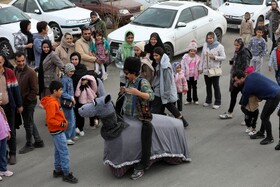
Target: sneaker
57 174
70 142
206 104
226 115
6 173
105 76
248 129
75 138
258 135
26 149
137 174
243 123
1 178
70 178
278 146
95 122
187 103
39 144
82 133
196 102
253 132
77 130
267 141
12 160
216 106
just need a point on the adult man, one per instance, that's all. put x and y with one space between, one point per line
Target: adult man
97 24
28 84
264 89
82 46
11 100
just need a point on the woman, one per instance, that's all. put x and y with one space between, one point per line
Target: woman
164 86
212 55
66 48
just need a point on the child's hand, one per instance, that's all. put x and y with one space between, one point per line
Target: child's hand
84 82
200 71
132 91
106 52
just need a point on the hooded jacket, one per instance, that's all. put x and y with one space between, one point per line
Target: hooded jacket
55 118
87 94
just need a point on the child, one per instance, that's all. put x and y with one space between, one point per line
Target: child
274 61
265 29
86 91
57 124
258 47
190 63
68 93
246 28
4 135
181 84
125 50
100 47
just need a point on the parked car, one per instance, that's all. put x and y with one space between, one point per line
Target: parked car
9 25
61 15
234 11
118 13
177 23
147 3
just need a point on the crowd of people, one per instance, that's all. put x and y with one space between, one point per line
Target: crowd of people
69 75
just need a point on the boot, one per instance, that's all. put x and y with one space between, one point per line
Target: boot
185 123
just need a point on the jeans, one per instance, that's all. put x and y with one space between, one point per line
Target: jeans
70 116
180 101
233 96
257 62
158 107
61 153
192 90
277 75
3 158
29 125
10 114
268 108
209 81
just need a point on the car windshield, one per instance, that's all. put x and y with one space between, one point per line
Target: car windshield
11 15
52 5
248 2
156 17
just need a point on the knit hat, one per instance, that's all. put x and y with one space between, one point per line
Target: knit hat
175 65
192 45
249 70
69 67
140 45
132 65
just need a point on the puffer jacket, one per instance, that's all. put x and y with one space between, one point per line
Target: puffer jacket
86 93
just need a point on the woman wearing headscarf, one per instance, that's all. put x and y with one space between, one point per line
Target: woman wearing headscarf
24 41
212 55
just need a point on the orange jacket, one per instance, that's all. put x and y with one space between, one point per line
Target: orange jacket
55 118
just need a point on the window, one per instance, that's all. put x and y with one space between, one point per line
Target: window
185 16
19 4
199 12
31 6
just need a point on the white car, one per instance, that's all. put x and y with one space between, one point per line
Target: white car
9 25
61 15
176 22
234 11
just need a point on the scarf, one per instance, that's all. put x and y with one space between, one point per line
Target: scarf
127 49
23 28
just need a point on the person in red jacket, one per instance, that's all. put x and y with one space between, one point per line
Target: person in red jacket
57 124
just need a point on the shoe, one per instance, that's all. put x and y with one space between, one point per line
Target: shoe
226 115
187 103
196 102
258 135
253 132
82 133
77 130
6 173
1 178
278 146
137 174
248 129
70 178
216 106
26 149
105 76
206 104
57 174
75 138
267 141
243 123
70 142
12 160
185 123
39 144
95 122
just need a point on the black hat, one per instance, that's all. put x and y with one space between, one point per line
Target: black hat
132 65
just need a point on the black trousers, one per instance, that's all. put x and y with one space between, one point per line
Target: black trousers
80 121
233 96
192 90
212 81
158 108
180 101
250 117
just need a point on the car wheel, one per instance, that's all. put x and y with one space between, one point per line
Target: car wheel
56 31
6 49
169 50
110 21
219 34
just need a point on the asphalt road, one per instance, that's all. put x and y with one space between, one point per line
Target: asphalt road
222 153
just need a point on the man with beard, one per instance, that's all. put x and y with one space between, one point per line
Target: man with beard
28 84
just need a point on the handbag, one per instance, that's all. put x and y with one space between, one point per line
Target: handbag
67 103
213 72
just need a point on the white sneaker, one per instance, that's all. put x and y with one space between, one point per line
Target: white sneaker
216 106
253 132
243 123
248 129
105 76
77 130
206 104
226 115
82 133
6 173
75 138
1 178
96 122
70 142
187 103
197 103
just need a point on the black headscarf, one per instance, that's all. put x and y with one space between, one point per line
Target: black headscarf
149 48
23 28
80 70
7 63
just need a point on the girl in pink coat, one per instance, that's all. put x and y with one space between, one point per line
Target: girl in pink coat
181 84
86 89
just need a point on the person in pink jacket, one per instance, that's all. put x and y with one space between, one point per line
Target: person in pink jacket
86 89
181 84
190 62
